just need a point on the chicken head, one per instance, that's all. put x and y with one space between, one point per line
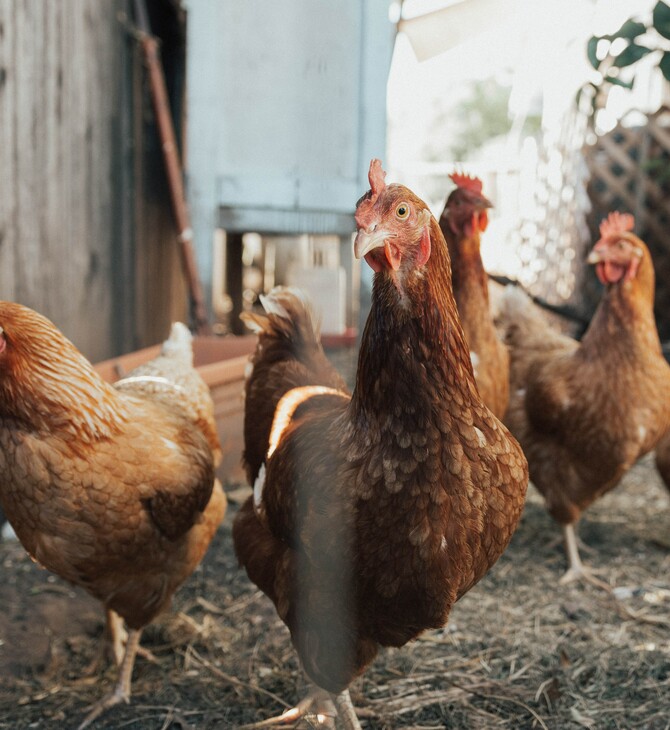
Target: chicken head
618 253
466 208
393 226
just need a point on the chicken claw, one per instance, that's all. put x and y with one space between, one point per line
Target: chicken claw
319 707
322 705
577 570
121 692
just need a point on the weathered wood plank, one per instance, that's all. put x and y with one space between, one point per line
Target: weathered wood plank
70 245
8 201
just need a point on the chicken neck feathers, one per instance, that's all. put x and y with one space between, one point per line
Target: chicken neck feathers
471 293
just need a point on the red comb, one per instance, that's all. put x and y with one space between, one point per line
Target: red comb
365 206
616 224
467 182
376 177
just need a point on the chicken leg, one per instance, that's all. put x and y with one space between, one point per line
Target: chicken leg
117 636
346 711
576 569
121 692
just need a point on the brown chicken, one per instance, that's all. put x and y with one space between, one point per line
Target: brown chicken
373 512
463 220
585 412
111 488
663 459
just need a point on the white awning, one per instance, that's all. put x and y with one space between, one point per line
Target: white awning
441 30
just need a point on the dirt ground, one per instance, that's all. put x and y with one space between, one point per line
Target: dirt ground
520 650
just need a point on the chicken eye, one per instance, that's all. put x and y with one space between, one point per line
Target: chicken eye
402 211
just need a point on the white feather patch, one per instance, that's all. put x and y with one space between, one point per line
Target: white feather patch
153 379
474 359
171 445
272 306
253 325
179 341
287 406
8 533
480 437
258 488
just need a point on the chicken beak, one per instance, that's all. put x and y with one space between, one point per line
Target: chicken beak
366 242
594 257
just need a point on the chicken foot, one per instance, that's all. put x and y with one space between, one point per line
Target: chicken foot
320 703
121 692
320 706
576 569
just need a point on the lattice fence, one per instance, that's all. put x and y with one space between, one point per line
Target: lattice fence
553 239
578 183
630 171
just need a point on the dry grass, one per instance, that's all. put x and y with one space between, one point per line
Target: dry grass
520 651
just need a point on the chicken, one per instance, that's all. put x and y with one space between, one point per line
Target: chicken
374 512
585 412
462 222
111 488
663 459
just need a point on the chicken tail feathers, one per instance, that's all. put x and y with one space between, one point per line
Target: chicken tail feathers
528 334
179 345
517 316
515 300
288 316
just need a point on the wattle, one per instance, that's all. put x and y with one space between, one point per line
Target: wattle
609 272
388 257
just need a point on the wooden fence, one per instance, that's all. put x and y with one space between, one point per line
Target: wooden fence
86 233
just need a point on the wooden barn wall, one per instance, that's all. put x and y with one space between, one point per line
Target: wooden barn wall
161 292
86 233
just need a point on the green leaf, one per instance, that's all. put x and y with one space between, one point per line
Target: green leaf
632 53
630 29
591 48
661 19
619 82
664 65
